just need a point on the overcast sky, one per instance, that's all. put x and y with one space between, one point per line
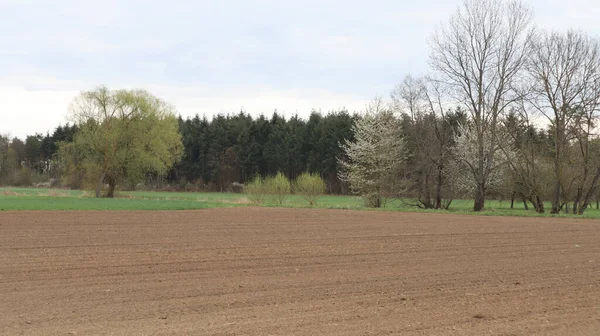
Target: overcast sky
210 57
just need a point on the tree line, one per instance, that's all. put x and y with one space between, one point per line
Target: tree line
236 148
216 153
23 163
531 98
506 111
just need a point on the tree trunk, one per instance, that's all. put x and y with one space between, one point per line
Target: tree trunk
578 202
112 183
479 197
512 201
538 204
582 208
373 200
525 204
588 196
429 204
556 198
557 171
438 189
99 184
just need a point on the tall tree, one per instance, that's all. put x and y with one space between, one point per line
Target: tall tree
33 152
123 135
478 56
18 146
527 155
565 74
429 132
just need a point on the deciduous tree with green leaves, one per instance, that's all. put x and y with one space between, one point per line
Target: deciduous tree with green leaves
123 134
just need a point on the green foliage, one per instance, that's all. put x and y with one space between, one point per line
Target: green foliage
70 164
279 186
256 190
217 153
122 135
310 186
33 153
11 155
235 148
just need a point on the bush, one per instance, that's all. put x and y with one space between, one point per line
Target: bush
279 186
373 200
256 190
310 186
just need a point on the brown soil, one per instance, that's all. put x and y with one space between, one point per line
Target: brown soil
260 271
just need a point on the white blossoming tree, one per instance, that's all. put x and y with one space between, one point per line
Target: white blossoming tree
465 169
373 159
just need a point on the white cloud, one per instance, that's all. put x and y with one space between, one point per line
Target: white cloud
191 101
31 110
24 112
208 57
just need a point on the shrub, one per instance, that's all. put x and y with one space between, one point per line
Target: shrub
310 186
256 190
279 186
373 200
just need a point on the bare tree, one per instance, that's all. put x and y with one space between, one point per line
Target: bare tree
526 152
478 56
429 131
565 74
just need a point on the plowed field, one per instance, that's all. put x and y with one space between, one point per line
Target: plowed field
262 271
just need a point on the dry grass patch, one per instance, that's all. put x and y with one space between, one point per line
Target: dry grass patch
10 193
55 193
